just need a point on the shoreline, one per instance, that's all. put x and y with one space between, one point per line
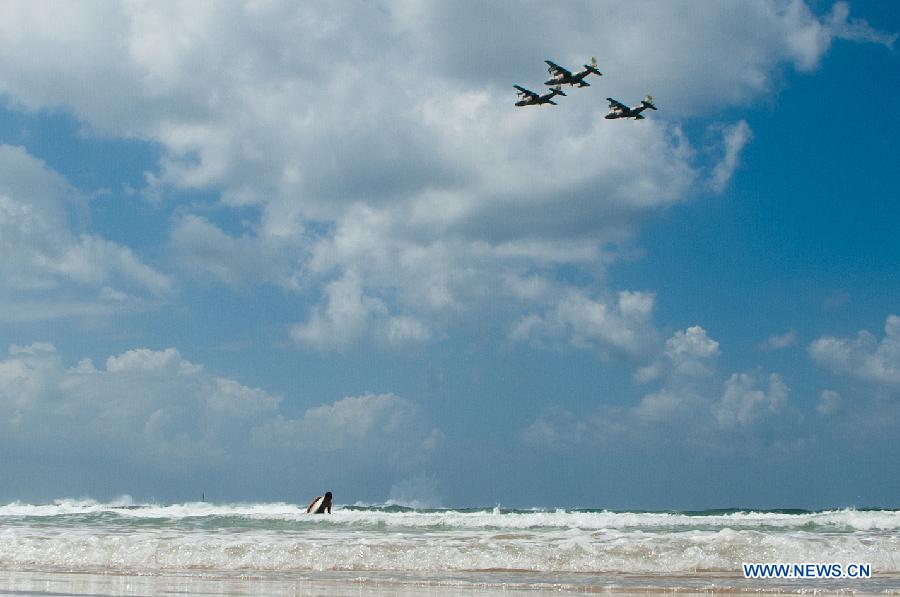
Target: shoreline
385 584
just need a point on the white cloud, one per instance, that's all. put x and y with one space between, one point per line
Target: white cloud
693 405
349 317
199 246
556 429
829 402
691 343
93 260
841 26
41 255
32 349
690 352
155 409
144 360
677 415
863 357
620 324
744 403
752 42
648 373
403 330
25 379
344 318
389 129
688 356
734 138
780 341
669 404
383 427
687 369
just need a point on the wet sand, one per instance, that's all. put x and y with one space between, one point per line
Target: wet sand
82 584
57 584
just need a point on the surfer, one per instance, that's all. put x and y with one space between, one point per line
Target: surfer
320 504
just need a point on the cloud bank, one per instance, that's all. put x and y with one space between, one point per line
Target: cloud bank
379 144
155 412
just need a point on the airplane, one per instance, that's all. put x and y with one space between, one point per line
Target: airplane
530 98
561 76
619 110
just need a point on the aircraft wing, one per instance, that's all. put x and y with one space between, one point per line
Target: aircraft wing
525 92
556 69
616 104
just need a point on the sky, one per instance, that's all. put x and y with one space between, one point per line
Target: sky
259 250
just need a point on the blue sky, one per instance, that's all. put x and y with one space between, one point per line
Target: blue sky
259 250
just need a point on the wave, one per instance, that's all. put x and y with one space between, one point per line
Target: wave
692 552
86 535
491 518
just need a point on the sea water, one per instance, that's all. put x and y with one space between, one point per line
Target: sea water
84 547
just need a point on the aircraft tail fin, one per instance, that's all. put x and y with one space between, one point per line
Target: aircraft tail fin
557 91
647 102
592 67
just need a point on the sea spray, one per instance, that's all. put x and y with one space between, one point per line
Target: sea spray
550 546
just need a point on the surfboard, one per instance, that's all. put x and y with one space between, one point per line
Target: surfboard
316 505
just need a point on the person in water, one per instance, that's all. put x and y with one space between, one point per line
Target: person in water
325 506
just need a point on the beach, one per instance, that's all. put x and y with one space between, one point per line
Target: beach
84 584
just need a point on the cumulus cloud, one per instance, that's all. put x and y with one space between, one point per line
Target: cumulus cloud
677 414
690 351
158 411
686 368
383 426
348 316
753 40
694 404
688 355
744 403
669 404
41 254
146 360
153 405
864 357
619 324
372 141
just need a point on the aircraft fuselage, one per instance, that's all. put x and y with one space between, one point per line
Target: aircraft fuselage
634 114
535 101
573 80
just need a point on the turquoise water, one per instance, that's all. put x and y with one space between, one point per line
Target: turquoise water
535 549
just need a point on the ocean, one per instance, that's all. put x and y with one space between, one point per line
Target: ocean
73 547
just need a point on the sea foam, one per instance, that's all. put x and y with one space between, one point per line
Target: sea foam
74 535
